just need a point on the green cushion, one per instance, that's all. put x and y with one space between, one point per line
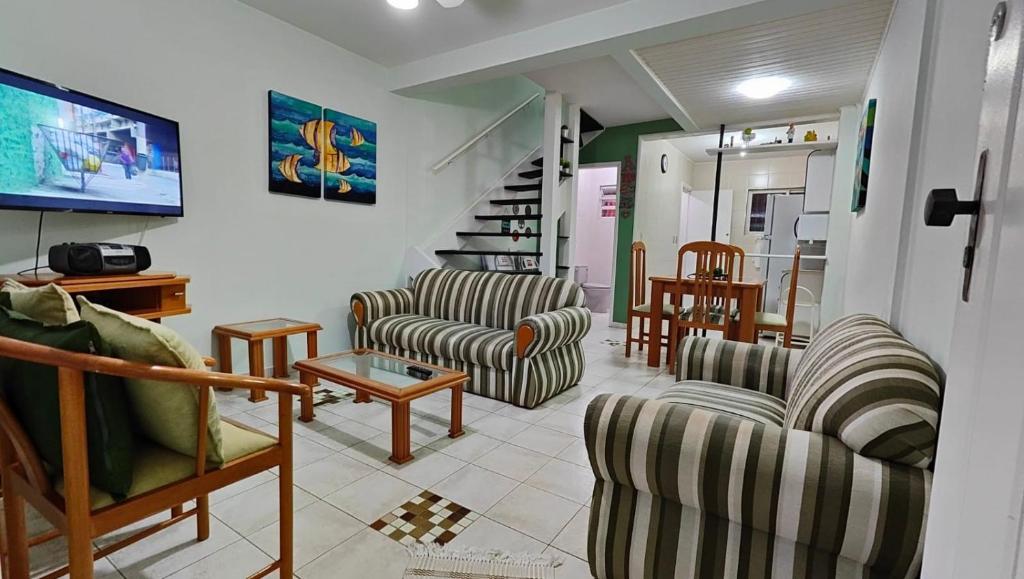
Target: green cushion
166 413
157 467
49 304
31 390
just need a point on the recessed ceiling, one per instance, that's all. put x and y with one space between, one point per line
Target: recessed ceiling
392 37
827 55
603 89
695 147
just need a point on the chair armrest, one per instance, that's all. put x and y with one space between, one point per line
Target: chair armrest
767 369
803 486
369 306
551 330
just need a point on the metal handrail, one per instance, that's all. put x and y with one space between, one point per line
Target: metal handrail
469 144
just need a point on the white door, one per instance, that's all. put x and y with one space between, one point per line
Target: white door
974 527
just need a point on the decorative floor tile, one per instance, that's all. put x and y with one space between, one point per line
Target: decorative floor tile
325 396
426 518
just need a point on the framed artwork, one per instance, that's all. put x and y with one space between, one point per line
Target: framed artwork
350 159
504 263
487 263
296 140
528 263
863 166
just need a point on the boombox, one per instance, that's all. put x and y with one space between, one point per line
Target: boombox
98 258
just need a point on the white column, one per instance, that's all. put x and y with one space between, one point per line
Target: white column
549 184
569 246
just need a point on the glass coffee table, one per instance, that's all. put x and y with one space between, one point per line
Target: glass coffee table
393 378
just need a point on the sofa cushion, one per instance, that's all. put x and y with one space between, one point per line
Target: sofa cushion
453 340
49 304
166 413
492 299
32 392
863 383
739 402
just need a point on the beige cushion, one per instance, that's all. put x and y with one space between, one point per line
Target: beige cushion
769 319
666 309
166 413
48 304
157 467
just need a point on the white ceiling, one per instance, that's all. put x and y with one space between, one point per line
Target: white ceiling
696 147
603 89
827 55
393 37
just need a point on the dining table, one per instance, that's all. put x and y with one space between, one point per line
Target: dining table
748 294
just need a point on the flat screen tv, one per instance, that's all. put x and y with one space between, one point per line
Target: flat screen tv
62 150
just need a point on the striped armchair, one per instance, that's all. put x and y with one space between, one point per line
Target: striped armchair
762 462
518 337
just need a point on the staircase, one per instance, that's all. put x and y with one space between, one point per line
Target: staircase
514 222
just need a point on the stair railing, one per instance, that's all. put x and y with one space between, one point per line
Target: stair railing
440 166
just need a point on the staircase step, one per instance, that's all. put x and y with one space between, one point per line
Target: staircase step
567 140
538 173
487 252
509 217
494 234
522 188
538 162
526 201
523 272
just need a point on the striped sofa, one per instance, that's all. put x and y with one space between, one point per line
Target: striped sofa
767 462
518 337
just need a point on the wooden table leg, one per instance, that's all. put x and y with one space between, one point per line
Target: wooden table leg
401 433
224 364
362 397
280 345
455 430
311 347
748 310
256 369
654 340
306 400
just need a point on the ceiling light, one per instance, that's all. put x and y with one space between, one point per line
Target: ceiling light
765 87
404 4
450 3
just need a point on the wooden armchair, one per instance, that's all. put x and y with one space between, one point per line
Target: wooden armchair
81 516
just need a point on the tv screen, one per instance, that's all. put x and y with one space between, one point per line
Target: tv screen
62 150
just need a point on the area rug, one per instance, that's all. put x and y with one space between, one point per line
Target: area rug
447 563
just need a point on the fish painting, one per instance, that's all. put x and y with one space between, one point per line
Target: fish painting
352 175
298 141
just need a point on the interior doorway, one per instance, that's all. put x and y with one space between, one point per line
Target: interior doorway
596 216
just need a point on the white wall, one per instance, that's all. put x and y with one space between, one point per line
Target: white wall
595 235
875 231
838 249
208 65
658 196
752 172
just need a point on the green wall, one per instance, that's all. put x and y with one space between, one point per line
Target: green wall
621 145
19 112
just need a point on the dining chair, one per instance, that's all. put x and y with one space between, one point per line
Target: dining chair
711 292
783 324
639 307
741 258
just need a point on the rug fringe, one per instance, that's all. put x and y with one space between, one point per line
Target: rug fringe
435 560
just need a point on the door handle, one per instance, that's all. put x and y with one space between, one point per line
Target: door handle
943 206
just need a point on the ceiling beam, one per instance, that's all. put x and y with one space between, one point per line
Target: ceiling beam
615 29
650 84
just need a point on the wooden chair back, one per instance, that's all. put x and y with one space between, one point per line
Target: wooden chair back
25 480
791 302
637 275
712 296
741 259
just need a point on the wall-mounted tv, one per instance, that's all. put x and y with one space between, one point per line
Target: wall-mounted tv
62 150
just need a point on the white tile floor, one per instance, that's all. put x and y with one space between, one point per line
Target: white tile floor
526 471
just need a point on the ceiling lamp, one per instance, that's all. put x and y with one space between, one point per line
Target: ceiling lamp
450 3
404 4
763 88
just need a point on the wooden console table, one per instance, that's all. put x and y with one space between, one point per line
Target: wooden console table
151 296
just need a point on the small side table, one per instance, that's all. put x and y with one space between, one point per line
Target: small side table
254 333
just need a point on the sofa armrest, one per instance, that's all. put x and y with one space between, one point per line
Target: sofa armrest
803 486
369 306
551 330
767 369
